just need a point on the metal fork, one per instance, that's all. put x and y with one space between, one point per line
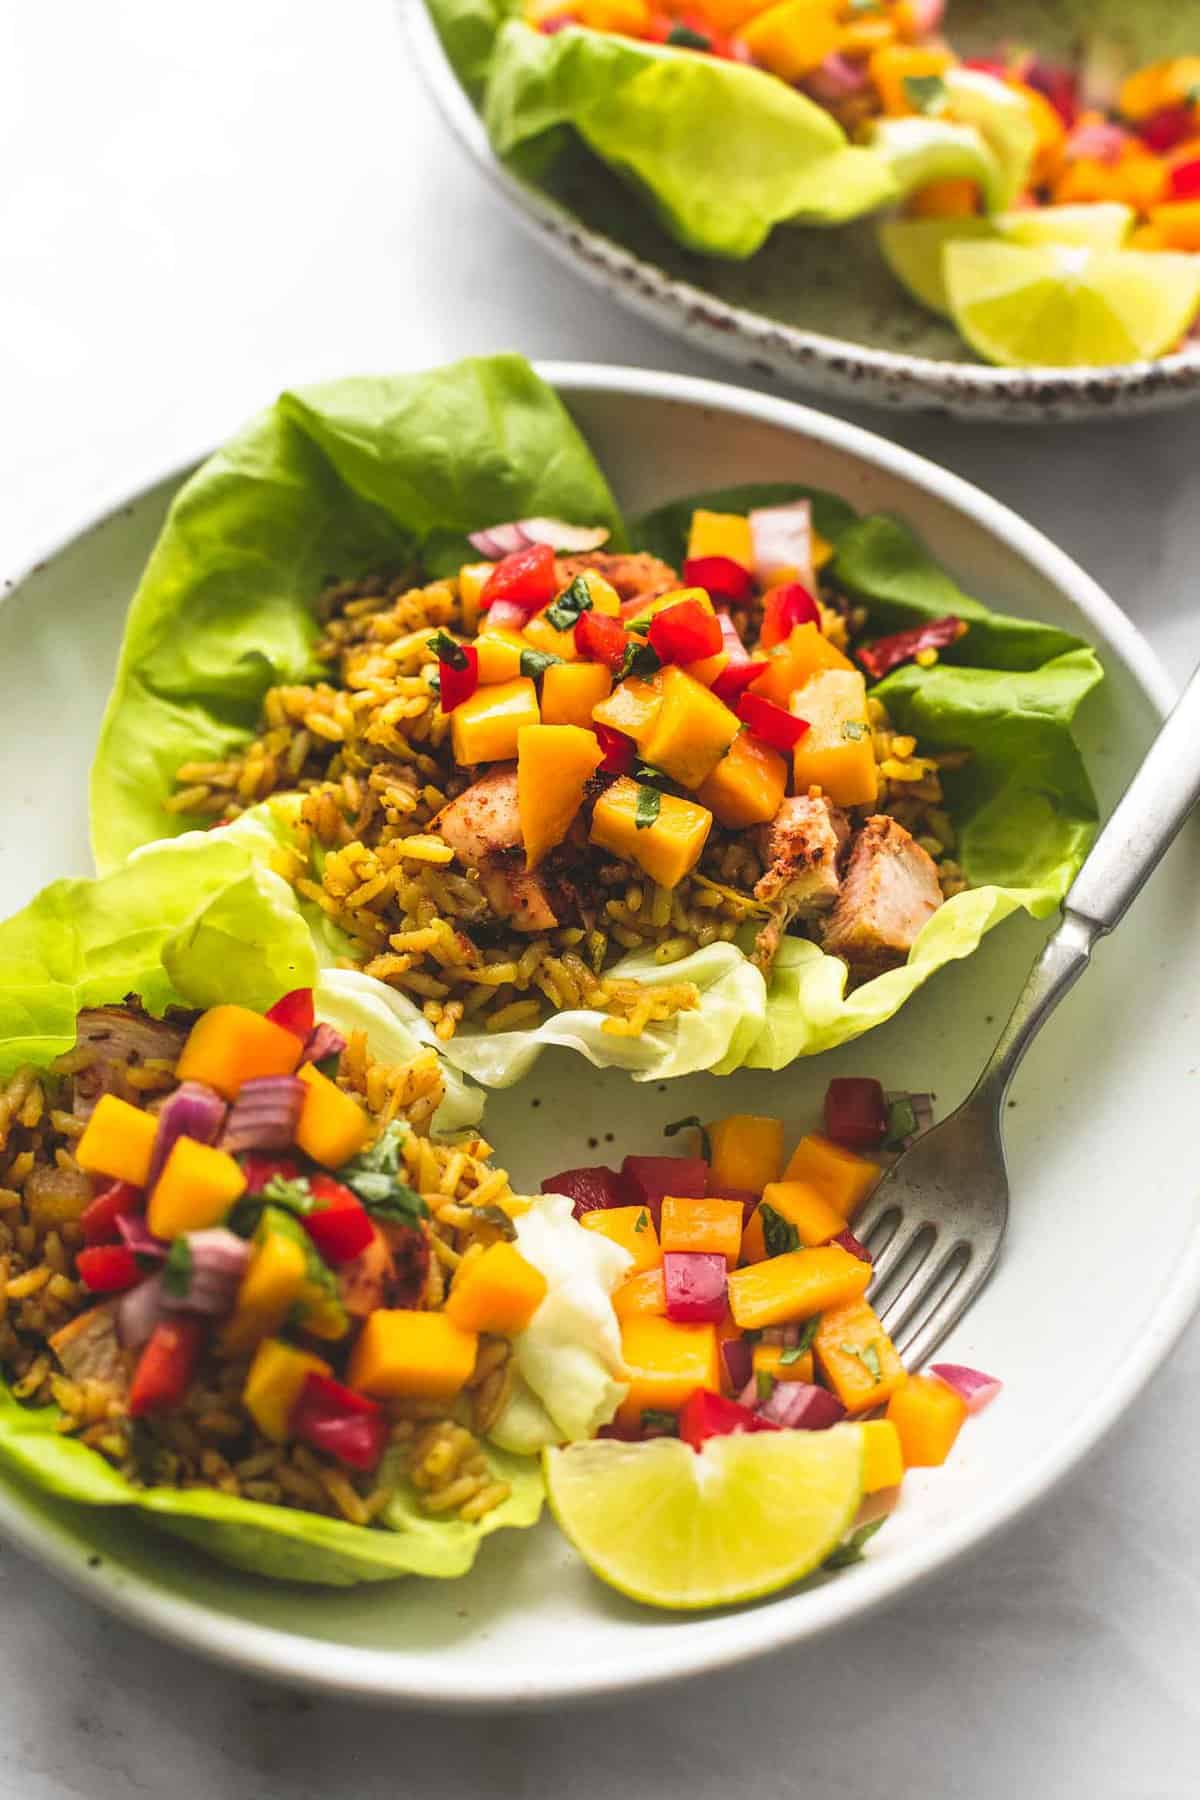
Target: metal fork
936 1221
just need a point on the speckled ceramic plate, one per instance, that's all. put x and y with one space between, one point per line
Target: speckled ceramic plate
1073 1336
820 308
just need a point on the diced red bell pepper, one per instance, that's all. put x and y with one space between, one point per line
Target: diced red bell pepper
719 576
107 1268
259 1170
340 1422
1167 128
458 676
340 1226
167 1364
526 578
620 752
855 1112
786 606
770 723
98 1221
295 1012
601 638
695 1284
646 1181
1057 84
854 1245
685 633
886 654
735 678
704 1415
589 1188
1183 181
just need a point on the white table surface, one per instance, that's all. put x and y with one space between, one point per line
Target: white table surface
200 205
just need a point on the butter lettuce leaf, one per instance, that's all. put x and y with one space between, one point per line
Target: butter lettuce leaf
337 479
723 152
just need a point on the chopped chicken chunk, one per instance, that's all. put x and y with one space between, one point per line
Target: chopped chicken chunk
120 1038
802 847
890 890
483 828
90 1350
638 576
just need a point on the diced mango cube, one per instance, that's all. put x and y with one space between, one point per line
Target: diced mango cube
836 753
707 1225
891 66
472 579
498 1291
230 1044
631 707
793 37
676 597
786 1289
666 1362
333 1127
691 732
499 652
883 1459
484 728
272 1284
275 1382
858 1359
554 766
118 1140
632 1228
541 635
721 534
747 1151
957 197
928 1415
747 786
645 1293
571 690
629 17
814 1219
776 1361
605 598
754 1242
419 1355
844 1178
196 1188
668 848
805 652
1179 223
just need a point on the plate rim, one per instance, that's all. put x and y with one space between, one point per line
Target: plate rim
713 1642
841 367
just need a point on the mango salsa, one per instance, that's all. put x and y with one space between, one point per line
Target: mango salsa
667 846
484 728
844 1178
631 707
632 1228
197 1187
883 1459
747 786
333 1127
721 534
857 1357
571 690
554 765
813 1218
118 1140
499 652
793 37
707 1225
498 1291
417 1355
928 1416
836 752
747 1151
274 1384
691 730
645 1293
666 1362
805 652
795 1286
230 1044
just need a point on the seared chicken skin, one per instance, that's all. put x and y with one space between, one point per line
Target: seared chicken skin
802 848
891 889
637 576
483 828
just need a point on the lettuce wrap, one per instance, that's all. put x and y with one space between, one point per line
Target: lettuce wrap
187 923
722 152
226 608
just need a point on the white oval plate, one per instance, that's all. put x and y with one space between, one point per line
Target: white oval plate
1102 1267
780 313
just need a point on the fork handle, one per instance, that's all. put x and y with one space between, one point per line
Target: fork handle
1146 820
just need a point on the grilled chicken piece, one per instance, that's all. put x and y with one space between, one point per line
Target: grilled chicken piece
90 1350
483 828
890 890
802 847
120 1038
365 1282
636 577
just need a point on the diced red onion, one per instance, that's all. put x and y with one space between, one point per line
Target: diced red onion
218 1262
137 1236
1098 141
695 1286
589 1189
731 641
265 1114
836 78
782 539
139 1311
738 1356
504 540
506 615
193 1110
799 1406
324 1040
847 1241
922 1110
971 1385
926 16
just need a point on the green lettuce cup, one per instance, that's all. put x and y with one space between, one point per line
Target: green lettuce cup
190 923
341 478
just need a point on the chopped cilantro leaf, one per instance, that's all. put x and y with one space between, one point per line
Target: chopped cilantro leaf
779 1234
901 1122
177 1270
764 1384
649 805
659 1424
534 663
447 651
640 659
868 1356
375 1177
852 1550
927 93
571 604
692 1120
682 37
643 1219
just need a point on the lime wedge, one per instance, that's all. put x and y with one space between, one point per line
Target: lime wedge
1103 225
1063 306
747 1515
912 250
